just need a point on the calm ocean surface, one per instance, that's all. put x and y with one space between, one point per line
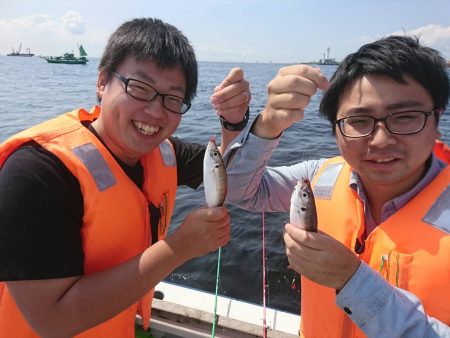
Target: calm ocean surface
31 91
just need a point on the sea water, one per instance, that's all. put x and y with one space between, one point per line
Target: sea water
32 90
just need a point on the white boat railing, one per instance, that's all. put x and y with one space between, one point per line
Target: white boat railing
186 312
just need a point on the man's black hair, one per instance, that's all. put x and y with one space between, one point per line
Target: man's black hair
152 39
393 56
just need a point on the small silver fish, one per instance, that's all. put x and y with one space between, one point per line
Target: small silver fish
303 207
214 175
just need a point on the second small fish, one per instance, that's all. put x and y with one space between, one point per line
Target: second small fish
214 175
303 207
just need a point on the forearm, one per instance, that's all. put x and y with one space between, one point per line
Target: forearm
382 310
252 185
246 162
77 304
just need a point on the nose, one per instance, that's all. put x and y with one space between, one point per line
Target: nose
381 136
155 107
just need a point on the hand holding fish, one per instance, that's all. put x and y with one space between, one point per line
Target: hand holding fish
203 230
232 97
319 257
289 94
208 228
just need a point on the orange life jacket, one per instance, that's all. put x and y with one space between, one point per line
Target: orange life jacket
442 151
114 210
414 242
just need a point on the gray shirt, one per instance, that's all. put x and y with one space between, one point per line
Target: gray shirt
378 308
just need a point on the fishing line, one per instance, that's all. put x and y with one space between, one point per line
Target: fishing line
213 333
264 274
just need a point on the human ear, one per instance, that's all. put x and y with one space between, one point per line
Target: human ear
102 80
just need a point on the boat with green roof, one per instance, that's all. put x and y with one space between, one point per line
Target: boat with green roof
70 58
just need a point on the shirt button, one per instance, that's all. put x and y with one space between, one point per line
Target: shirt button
348 310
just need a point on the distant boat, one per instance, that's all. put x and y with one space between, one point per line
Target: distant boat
18 53
69 58
327 60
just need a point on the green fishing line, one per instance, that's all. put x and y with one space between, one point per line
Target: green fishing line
213 334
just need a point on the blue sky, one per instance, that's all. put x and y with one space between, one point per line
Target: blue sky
284 31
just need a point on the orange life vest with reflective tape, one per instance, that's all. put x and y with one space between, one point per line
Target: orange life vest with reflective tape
114 210
414 244
442 151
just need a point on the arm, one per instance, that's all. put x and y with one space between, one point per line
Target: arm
64 307
59 303
252 185
377 307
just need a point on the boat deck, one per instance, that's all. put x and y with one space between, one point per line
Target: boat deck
188 313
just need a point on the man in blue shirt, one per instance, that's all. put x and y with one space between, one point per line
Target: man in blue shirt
383 205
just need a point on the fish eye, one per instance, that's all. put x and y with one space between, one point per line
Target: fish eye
304 195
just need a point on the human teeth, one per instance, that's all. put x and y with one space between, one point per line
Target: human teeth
145 129
384 160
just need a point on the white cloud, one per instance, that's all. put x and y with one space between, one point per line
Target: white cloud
35 22
432 35
73 22
45 34
435 36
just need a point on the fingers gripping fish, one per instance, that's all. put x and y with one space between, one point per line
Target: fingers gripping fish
214 175
303 207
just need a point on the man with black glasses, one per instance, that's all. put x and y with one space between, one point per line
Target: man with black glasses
86 198
379 264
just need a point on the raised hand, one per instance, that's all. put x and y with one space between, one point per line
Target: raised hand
289 94
232 97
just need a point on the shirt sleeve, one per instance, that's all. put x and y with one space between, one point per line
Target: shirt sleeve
382 310
255 186
41 209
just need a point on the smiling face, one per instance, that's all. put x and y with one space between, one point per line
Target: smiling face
384 161
130 127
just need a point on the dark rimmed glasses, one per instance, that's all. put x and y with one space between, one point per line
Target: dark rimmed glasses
144 92
399 123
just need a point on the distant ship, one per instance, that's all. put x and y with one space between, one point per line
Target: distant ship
327 60
69 58
18 53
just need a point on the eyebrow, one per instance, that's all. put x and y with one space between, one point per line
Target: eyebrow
148 78
405 104
394 106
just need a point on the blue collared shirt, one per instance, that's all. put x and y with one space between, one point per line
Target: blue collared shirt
374 305
392 206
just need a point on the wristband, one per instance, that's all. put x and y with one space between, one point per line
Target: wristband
236 126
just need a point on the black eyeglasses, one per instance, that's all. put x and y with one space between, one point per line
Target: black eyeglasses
144 92
400 123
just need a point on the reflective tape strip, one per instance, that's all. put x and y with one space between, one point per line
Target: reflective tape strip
167 154
327 180
439 213
96 165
